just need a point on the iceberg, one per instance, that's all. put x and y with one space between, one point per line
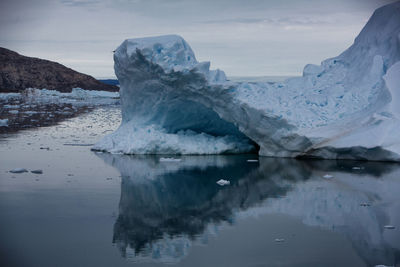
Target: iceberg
346 108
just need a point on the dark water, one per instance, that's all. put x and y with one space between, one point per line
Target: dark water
99 209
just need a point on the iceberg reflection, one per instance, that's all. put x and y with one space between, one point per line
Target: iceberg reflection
166 207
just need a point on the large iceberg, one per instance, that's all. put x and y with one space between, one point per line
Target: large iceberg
347 107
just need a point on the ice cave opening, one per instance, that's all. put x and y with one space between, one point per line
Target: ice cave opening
191 118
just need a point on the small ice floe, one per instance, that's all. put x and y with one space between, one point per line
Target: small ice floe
391 227
252 160
328 176
169 160
76 144
223 182
381 265
365 204
10 106
18 170
4 123
37 171
356 168
279 240
30 112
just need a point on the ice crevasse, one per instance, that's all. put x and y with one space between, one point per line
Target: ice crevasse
348 107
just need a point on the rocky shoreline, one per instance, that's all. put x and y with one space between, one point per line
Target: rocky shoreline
18 72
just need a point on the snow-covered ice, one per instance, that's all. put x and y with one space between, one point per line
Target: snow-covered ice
77 96
347 107
4 123
9 96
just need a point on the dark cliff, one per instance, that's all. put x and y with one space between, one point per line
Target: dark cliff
19 72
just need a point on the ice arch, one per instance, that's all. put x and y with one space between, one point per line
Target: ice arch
347 107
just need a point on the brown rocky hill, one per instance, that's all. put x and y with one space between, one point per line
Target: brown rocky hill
19 72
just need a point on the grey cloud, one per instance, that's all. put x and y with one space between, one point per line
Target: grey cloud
272 21
216 30
234 20
80 3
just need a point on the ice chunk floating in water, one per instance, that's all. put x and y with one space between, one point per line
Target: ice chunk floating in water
18 170
4 123
223 182
169 160
348 107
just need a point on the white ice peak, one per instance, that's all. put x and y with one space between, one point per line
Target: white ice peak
171 52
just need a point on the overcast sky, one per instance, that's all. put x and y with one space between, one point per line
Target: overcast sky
242 37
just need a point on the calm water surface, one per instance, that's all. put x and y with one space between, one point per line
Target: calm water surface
99 209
